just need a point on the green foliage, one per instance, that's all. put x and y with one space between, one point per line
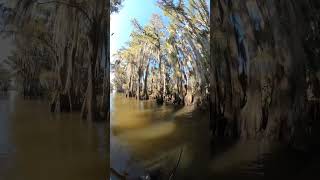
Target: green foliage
66 39
170 59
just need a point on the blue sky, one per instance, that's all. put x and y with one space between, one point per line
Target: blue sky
120 23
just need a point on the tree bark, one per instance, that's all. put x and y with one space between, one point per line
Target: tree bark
145 92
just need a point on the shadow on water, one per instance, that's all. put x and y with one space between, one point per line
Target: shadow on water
36 144
262 160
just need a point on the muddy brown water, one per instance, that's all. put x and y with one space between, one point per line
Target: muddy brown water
147 138
144 138
38 145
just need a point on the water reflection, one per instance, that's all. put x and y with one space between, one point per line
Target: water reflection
41 145
147 138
